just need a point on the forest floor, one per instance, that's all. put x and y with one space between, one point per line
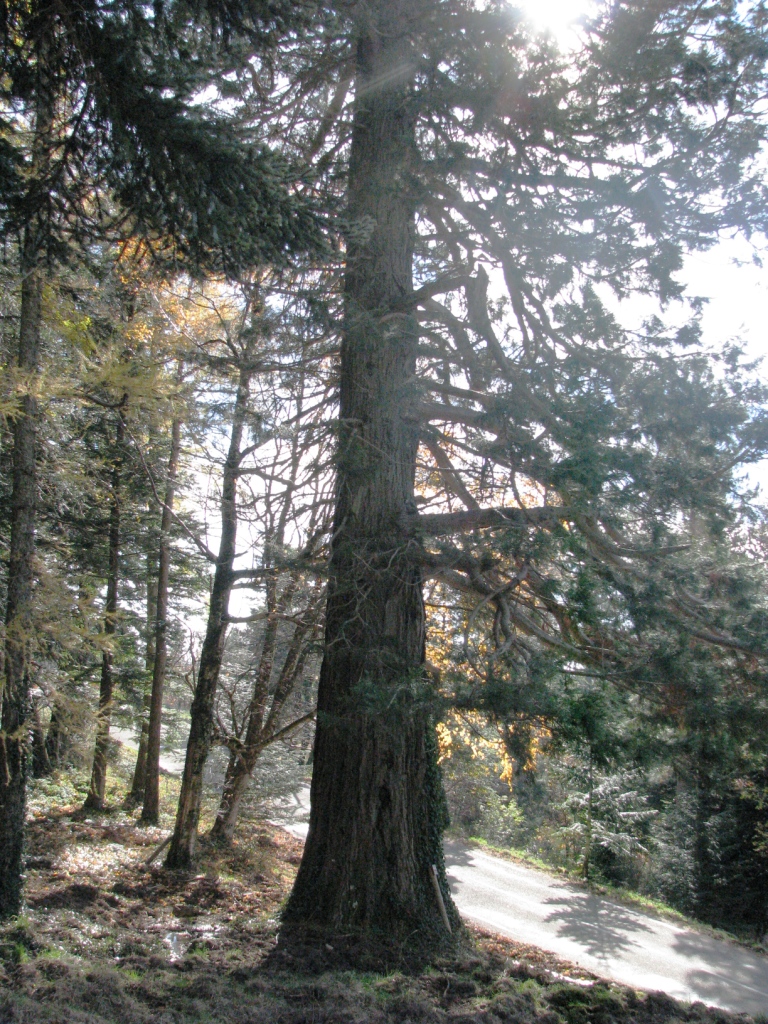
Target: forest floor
107 939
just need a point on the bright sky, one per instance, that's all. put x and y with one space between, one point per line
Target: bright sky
737 288
737 310
556 16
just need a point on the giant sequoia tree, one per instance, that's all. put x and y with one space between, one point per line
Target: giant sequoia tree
496 194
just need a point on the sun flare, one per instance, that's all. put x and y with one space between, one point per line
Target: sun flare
557 17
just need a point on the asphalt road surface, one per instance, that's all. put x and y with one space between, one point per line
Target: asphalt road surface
612 940
607 938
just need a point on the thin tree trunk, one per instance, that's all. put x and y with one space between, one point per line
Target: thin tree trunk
261 729
235 784
150 813
139 781
241 762
55 740
14 733
587 855
41 763
95 799
378 809
182 848
261 723
702 853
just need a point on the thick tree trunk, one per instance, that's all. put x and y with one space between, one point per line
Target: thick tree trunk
138 783
150 813
14 733
95 799
182 848
378 809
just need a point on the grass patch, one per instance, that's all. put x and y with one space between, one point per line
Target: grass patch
516 855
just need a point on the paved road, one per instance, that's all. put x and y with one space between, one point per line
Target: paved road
625 945
614 941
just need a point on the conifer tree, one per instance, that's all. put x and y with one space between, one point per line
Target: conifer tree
150 811
100 130
496 191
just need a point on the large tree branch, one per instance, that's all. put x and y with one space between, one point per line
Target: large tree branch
440 523
450 414
451 477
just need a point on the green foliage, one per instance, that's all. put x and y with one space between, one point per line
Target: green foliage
111 94
616 625
608 815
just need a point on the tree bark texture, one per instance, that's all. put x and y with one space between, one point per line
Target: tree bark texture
182 848
14 732
378 809
138 783
150 813
97 789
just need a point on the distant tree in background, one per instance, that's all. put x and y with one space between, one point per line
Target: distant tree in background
101 134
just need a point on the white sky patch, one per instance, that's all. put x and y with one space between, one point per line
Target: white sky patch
737 289
735 285
558 17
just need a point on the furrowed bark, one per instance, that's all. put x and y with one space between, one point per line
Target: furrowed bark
182 848
14 733
151 810
97 789
377 803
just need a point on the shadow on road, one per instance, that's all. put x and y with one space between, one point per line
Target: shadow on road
603 929
456 853
633 948
727 968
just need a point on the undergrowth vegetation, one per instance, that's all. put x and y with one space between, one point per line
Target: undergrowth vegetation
107 938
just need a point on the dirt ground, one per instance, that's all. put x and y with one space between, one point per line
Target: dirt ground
108 939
